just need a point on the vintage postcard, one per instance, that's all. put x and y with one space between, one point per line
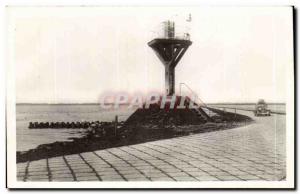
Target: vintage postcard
150 97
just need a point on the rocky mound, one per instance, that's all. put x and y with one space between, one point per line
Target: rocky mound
165 117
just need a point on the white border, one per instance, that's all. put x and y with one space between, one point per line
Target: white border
11 132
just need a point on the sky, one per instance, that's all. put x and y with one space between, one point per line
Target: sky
78 54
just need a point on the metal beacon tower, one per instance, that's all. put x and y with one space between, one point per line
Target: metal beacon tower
169 46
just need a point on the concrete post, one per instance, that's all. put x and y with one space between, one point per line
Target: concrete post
169 80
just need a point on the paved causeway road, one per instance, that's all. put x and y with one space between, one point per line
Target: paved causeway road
252 152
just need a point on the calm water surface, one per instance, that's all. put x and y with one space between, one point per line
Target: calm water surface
31 138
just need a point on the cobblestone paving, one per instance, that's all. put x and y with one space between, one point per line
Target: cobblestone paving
253 152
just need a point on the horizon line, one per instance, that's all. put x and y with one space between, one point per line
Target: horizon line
94 103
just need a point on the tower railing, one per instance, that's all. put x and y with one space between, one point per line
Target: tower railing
181 32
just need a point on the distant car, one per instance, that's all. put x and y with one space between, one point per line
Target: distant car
261 109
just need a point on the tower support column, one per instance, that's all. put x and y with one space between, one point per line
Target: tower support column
169 80
169 52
